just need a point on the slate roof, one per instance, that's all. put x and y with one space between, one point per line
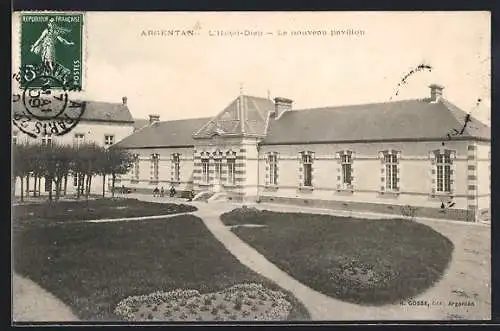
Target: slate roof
254 111
94 111
400 120
139 123
164 134
417 119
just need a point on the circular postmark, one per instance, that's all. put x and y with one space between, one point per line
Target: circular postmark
44 109
40 101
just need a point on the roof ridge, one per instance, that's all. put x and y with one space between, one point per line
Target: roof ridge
256 97
363 104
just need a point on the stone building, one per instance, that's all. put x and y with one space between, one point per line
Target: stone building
385 157
103 123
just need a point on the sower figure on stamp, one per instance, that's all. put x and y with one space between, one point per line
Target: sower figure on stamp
45 46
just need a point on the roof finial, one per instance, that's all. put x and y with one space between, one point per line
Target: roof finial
241 88
268 94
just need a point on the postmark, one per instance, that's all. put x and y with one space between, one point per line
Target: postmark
44 111
406 77
51 45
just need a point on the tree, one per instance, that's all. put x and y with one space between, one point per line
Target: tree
118 162
56 163
20 166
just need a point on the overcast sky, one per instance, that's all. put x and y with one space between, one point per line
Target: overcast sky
197 76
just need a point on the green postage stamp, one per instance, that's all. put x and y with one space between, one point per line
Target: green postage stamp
52 50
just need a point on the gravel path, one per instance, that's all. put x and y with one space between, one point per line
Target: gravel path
31 303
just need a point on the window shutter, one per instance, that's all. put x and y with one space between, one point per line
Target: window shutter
300 170
267 176
338 158
452 171
277 169
382 171
151 168
158 167
312 170
398 172
172 165
432 172
397 175
352 169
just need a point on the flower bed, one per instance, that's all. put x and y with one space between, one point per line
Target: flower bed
238 303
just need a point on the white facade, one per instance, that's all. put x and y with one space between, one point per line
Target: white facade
87 131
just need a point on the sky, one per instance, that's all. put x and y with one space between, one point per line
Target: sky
199 75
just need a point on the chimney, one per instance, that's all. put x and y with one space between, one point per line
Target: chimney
124 101
436 92
153 118
281 105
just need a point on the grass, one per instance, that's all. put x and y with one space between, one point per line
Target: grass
93 266
368 262
67 211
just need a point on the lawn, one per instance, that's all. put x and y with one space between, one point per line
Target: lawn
92 267
368 262
66 211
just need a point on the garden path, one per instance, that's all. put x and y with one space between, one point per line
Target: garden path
458 280
33 304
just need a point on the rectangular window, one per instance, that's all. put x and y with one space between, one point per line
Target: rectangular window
78 139
218 168
273 169
46 139
77 179
177 167
391 172
307 165
155 159
204 170
443 171
231 169
346 169
109 139
14 137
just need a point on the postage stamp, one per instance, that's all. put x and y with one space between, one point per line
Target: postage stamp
51 44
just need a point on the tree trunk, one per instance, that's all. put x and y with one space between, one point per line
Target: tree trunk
65 184
28 186
78 177
58 188
103 185
22 188
39 185
113 178
87 187
50 188
90 184
35 186
13 180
